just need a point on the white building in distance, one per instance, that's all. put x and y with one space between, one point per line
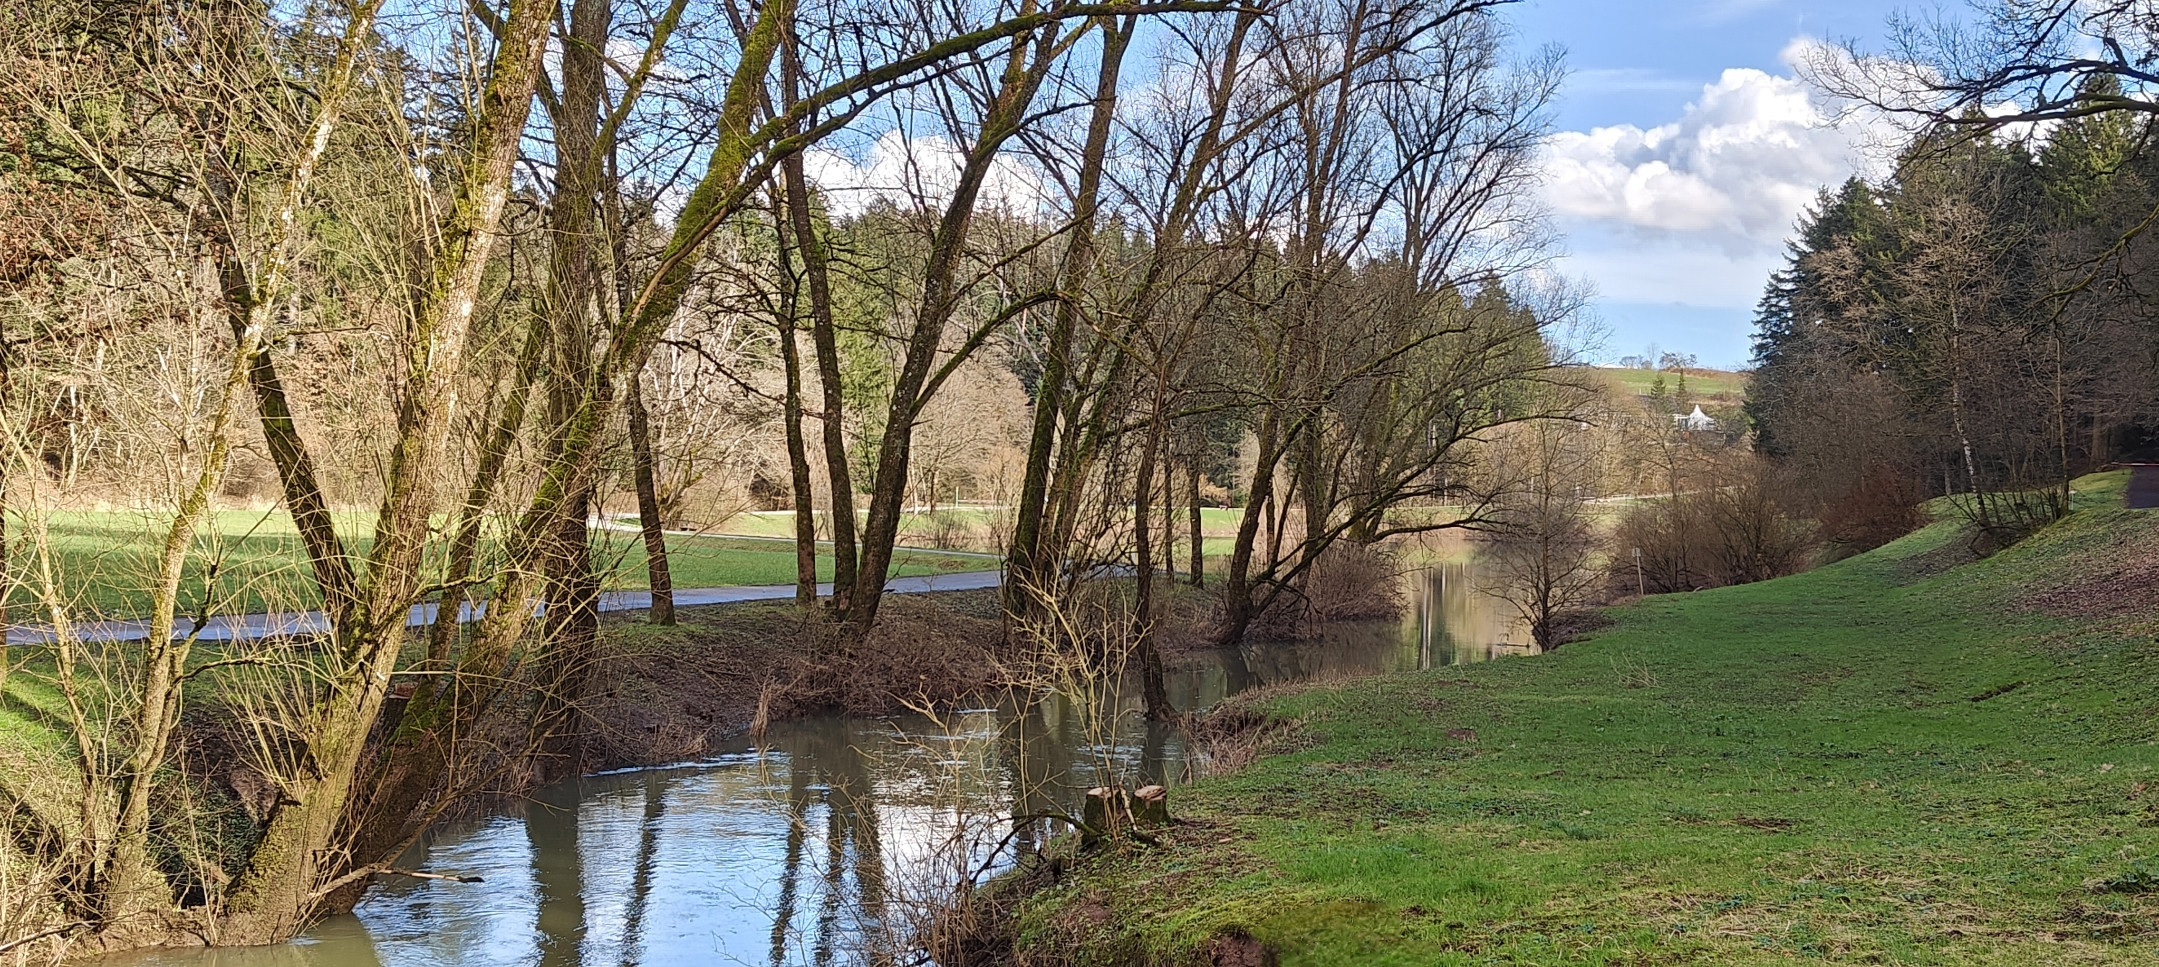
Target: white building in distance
1696 420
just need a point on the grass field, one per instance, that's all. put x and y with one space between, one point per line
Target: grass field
1700 382
253 561
1891 760
1215 520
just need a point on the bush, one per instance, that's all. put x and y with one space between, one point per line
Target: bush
1349 582
1727 528
1882 507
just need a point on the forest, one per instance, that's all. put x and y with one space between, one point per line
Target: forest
1978 324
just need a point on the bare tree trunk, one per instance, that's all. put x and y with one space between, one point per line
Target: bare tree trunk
1030 551
941 294
1237 605
576 246
798 457
649 523
416 757
824 335
1169 513
1154 691
129 882
1198 577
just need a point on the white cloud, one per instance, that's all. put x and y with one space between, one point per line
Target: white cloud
917 172
1733 171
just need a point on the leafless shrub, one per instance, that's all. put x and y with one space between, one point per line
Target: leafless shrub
1880 507
1350 582
1726 528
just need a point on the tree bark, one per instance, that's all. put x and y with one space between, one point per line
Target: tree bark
1198 577
1029 552
278 890
658 577
576 246
798 458
1154 691
824 335
941 295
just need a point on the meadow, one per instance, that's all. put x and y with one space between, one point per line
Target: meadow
253 561
1908 757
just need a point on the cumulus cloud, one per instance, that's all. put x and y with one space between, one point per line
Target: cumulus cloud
1733 171
916 172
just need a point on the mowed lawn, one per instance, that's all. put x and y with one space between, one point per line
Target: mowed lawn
253 561
1903 758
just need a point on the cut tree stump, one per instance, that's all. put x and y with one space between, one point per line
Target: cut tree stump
1104 815
1150 806
1111 813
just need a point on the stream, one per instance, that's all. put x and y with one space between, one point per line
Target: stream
828 840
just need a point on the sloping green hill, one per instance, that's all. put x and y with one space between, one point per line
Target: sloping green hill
1898 759
1715 384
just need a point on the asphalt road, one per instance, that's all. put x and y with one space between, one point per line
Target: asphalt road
249 627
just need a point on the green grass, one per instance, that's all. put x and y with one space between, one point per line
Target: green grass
1886 761
1700 382
782 523
251 561
1214 520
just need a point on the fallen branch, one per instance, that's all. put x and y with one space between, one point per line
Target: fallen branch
417 875
42 934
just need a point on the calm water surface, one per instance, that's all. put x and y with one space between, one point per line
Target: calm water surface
818 844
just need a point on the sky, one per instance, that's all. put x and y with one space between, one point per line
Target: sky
1685 149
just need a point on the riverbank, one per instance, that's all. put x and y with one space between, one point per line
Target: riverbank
666 694
1907 757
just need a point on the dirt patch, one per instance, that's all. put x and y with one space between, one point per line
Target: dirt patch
2116 579
665 695
1235 948
1958 550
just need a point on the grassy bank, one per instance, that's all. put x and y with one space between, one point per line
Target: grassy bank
253 561
1904 758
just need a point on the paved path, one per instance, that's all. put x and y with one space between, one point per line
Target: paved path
2144 485
248 627
629 527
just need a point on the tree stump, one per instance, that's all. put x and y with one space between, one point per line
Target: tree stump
1111 813
1104 815
1150 806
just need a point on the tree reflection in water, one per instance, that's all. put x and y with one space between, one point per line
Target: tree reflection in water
822 846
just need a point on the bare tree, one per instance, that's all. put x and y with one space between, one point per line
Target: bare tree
1544 545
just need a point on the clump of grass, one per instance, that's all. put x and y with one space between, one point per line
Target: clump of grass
2141 877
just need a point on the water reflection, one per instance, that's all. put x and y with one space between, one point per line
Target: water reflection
808 850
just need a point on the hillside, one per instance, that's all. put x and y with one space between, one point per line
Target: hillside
1721 386
1906 758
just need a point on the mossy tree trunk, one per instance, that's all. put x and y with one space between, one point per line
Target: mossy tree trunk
285 878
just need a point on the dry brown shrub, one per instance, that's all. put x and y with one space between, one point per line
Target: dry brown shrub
919 654
1349 582
1237 734
1726 528
1882 507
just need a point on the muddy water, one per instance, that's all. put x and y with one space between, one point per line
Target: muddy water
825 842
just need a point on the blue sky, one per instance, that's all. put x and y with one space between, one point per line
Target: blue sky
1686 149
